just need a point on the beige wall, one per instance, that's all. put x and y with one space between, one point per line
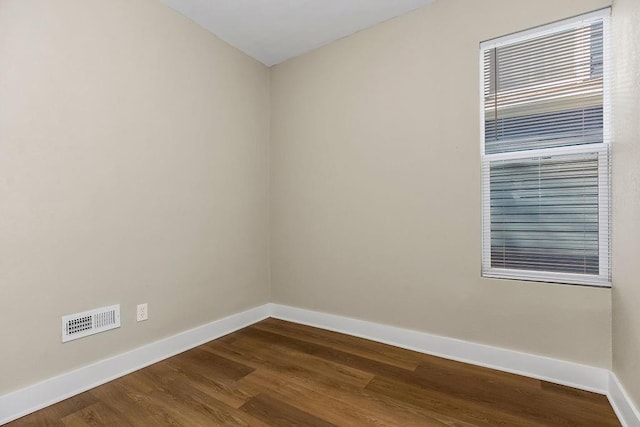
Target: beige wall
626 193
376 186
133 168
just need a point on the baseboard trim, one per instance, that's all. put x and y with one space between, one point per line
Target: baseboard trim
622 404
37 396
544 368
32 398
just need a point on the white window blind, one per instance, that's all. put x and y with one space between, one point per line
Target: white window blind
545 153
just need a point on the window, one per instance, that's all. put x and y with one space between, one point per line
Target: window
545 153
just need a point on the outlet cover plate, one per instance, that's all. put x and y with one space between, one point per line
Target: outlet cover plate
142 313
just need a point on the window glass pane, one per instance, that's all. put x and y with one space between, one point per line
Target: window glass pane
544 214
545 92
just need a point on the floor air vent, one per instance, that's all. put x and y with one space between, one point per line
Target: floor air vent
90 322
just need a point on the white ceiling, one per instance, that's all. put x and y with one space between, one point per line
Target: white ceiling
273 31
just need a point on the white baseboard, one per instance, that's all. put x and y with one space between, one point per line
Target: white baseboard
22 402
37 396
543 368
622 404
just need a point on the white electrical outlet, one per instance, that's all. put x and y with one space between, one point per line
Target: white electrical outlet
142 312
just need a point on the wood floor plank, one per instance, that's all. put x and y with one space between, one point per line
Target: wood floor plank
581 395
382 353
279 413
295 363
444 404
52 416
95 415
211 365
130 403
189 406
347 409
506 396
223 389
487 374
325 352
277 373
144 395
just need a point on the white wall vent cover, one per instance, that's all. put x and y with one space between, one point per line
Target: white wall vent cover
90 322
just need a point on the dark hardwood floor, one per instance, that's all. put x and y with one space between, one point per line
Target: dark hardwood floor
276 373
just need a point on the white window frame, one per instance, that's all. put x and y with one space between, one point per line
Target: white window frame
603 279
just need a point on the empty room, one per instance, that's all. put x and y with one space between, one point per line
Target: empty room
319 212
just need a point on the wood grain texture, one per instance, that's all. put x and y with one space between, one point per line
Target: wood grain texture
276 373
